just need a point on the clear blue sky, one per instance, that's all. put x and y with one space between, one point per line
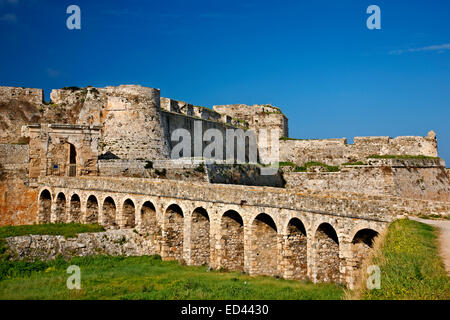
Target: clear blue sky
315 59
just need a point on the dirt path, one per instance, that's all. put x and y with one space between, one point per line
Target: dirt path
444 238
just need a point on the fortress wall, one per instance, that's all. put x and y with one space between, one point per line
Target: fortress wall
337 151
410 178
14 154
33 96
172 121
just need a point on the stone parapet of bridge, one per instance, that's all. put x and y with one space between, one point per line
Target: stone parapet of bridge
321 237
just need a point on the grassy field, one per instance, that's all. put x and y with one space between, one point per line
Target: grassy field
410 265
64 229
148 278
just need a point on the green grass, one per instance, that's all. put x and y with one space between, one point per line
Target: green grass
67 230
392 156
147 277
307 165
411 267
356 163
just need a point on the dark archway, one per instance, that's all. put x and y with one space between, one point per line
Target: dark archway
174 231
264 242
129 214
45 206
232 241
75 208
362 243
60 208
92 210
295 253
72 161
200 231
109 213
327 261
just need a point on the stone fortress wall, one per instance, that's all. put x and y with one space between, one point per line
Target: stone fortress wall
100 155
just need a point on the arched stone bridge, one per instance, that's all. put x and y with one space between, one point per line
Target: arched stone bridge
259 230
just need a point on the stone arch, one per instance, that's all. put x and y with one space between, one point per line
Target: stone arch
200 232
362 243
295 250
149 224
129 214
231 252
72 160
327 261
109 211
75 208
45 206
60 208
174 231
264 246
92 209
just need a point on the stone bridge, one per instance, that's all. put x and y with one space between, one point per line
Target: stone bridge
258 230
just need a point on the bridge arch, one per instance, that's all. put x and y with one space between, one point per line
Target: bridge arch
200 233
109 211
45 206
231 243
60 208
174 231
128 213
75 208
92 209
362 243
327 261
149 226
295 250
264 245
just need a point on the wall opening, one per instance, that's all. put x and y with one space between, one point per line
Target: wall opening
264 253
129 214
327 260
361 245
92 210
231 252
72 171
295 252
60 208
149 225
109 213
45 206
200 231
174 231
75 209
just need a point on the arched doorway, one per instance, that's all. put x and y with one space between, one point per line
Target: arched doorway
60 208
264 244
200 245
45 206
92 210
231 251
149 225
362 243
72 166
109 213
75 209
129 214
295 253
174 231
327 262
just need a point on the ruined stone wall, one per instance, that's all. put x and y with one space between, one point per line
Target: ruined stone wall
337 151
408 178
46 247
17 200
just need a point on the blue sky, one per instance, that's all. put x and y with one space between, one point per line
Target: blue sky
316 60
